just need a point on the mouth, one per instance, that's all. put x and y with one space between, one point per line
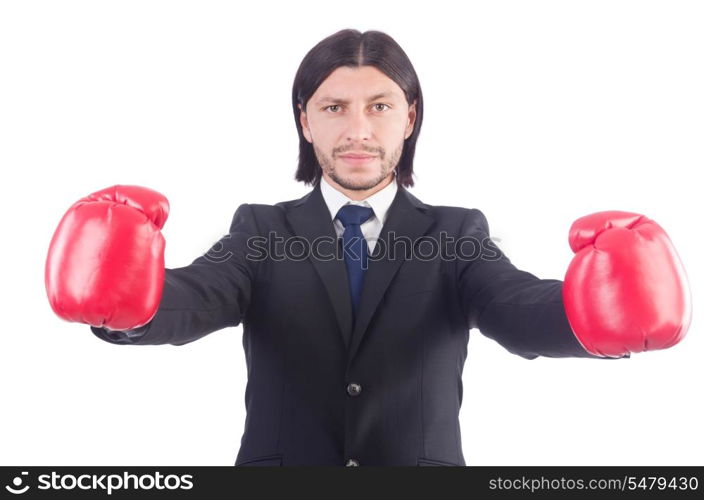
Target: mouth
354 159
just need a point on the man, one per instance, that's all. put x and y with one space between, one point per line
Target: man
356 300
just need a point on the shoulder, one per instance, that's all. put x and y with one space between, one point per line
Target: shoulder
267 214
450 215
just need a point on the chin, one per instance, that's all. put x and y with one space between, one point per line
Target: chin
361 184
356 177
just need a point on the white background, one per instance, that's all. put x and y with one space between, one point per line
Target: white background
536 112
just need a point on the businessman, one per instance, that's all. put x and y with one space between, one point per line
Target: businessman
357 299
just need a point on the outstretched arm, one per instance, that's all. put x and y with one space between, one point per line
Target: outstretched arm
211 293
523 313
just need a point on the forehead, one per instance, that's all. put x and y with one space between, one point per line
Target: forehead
365 82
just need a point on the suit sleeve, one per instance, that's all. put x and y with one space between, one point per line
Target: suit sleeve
523 313
211 293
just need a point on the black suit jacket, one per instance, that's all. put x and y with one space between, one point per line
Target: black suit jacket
386 389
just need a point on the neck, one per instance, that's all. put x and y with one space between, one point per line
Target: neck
357 194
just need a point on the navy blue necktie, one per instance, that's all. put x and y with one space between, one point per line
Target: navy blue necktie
355 247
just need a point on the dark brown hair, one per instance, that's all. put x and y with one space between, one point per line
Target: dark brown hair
352 48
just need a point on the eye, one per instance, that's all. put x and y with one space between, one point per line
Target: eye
329 108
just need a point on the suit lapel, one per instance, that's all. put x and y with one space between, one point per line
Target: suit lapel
309 218
406 218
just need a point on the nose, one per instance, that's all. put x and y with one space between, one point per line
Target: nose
359 126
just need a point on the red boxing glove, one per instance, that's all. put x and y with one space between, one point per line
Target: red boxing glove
625 289
105 265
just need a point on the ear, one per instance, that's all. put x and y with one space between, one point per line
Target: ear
304 125
411 119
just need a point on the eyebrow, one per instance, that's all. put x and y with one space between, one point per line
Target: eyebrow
337 100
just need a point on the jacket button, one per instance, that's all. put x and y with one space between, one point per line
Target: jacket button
352 463
354 389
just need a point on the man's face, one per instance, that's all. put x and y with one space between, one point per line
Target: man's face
358 111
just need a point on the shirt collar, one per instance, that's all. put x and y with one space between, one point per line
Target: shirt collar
379 201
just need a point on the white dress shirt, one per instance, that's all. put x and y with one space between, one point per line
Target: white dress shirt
379 202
